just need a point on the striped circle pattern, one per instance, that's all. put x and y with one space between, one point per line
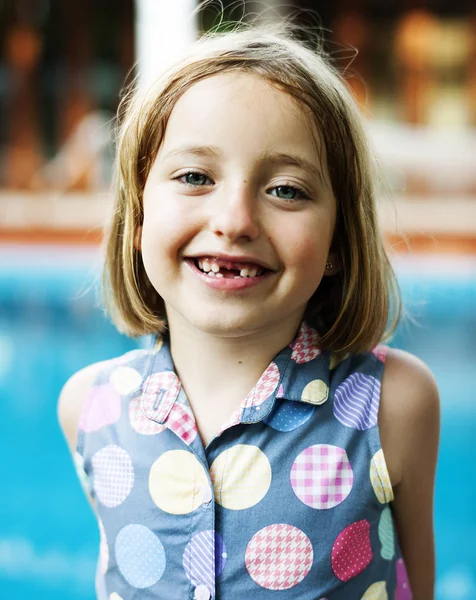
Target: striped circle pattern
386 534
199 562
356 401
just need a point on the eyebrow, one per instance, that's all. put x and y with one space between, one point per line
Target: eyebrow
269 157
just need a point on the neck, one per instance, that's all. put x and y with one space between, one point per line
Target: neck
208 364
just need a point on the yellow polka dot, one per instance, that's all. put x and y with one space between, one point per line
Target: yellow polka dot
115 596
315 392
380 478
125 380
377 591
241 477
176 482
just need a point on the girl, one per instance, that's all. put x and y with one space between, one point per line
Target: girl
265 446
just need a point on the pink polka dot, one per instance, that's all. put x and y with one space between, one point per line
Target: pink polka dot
279 557
101 407
352 552
403 590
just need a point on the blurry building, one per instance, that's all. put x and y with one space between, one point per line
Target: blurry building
63 64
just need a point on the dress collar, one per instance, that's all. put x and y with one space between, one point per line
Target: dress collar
299 373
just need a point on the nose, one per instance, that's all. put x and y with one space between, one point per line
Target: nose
235 213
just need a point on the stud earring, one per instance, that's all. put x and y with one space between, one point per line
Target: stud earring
328 265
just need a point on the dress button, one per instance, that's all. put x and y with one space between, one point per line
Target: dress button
206 494
202 593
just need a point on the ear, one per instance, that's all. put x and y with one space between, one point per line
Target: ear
138 238
332 264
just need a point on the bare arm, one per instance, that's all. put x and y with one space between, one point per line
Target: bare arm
409 422
70 405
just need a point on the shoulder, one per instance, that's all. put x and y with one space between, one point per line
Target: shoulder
409 411
72 398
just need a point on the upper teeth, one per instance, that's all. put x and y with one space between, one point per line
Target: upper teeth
212 267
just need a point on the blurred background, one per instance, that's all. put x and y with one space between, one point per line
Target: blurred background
62 65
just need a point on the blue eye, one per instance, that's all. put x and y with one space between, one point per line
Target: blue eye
289 192
194 179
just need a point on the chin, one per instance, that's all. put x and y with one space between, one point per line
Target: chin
225 323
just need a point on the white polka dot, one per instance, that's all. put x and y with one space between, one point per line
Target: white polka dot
125 380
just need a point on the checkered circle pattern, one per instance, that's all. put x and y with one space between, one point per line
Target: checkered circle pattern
182 422
279 557
140 422
306 346
321 476
113 475
265 386
315 392
160 391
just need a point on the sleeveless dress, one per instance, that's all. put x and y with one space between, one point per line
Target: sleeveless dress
291 499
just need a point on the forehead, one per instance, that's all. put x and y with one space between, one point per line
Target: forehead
244 109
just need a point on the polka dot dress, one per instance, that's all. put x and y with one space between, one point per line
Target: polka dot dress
291 499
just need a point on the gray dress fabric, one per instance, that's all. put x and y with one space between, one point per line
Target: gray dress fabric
291 499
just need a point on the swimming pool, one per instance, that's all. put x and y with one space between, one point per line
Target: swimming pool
49 328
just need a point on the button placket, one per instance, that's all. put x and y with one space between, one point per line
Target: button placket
202 592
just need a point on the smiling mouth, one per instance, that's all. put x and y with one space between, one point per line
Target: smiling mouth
227 269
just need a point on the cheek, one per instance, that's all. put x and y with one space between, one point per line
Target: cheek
307 249
165 225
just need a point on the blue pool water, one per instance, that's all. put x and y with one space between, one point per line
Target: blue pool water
50 327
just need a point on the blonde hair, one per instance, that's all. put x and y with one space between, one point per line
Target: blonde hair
350 309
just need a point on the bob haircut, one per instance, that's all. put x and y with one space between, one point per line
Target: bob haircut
350 309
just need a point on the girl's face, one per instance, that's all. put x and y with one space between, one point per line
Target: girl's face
239 188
